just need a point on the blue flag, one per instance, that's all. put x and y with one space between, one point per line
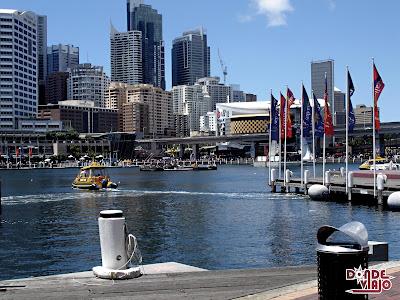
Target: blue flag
351 89
274 119
307 114
319 123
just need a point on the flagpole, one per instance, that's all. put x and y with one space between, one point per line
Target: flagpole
373 127
313 131
280 140
347 125
269 140
301 133
324 142
285 142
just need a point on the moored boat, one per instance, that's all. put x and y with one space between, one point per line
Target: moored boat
367 165
93 177
197 167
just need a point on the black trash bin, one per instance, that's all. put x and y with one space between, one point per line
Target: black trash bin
340 249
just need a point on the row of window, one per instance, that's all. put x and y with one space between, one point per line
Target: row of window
24 63
26 32
25 95
24 88
28 83
22 24
24 101
22 37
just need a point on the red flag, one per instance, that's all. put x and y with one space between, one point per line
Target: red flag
328 124
282 115
16 151
378 88
290 102
30 152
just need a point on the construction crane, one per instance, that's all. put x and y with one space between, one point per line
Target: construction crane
223 67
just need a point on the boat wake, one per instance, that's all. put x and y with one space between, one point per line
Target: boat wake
116 193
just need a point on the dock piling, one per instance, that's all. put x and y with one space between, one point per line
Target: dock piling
350 184
288 175
380 184
306 180
273 180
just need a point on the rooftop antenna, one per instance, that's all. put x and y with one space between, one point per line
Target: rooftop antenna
223 66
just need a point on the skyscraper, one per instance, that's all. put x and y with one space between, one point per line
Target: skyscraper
42 56
126 56
19 67
61 57
148 21
190 58
318 71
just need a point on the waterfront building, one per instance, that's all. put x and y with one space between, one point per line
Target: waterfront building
87 82
236 95
19 67
340 107
82 115
126 56
192 101
161 119
143 18
250 97
182 125
56 87
42 56
218 92
208 122
364 115
115 98
136 118
60 58
190 58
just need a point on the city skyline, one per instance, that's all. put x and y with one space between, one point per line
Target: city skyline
260 54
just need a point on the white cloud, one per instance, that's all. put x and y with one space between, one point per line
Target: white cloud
332 4
274 10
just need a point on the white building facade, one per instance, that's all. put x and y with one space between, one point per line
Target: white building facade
87 82
19 44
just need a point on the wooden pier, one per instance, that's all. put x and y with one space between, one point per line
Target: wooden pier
361 189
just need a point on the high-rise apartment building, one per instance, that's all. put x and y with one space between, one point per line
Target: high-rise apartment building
190 58
61 57
364 115
218 92
161 120
143 18
19 67
87 82
126 56
135 117
190 100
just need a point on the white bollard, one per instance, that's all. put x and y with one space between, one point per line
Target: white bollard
342 172
306 177
288 175
273 175
327 178
380 181
112 239
350 179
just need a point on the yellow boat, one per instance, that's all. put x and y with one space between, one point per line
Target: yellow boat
93 177
369 163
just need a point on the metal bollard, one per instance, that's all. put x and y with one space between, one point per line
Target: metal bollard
306 181
380 184
273 180
350 184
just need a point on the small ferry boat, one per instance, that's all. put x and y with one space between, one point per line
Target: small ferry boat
93 177
379 162
151 168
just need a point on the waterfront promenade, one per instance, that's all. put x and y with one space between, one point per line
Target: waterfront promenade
177 281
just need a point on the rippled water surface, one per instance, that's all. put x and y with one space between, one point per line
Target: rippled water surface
215 220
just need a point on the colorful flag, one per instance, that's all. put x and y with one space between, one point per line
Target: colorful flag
274 119
319 125
30 151
378 88
16 151
282 115
351 89
328 124
290 102
307 114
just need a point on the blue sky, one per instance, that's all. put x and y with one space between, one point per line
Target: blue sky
265 43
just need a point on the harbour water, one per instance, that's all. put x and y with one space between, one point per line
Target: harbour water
220 219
